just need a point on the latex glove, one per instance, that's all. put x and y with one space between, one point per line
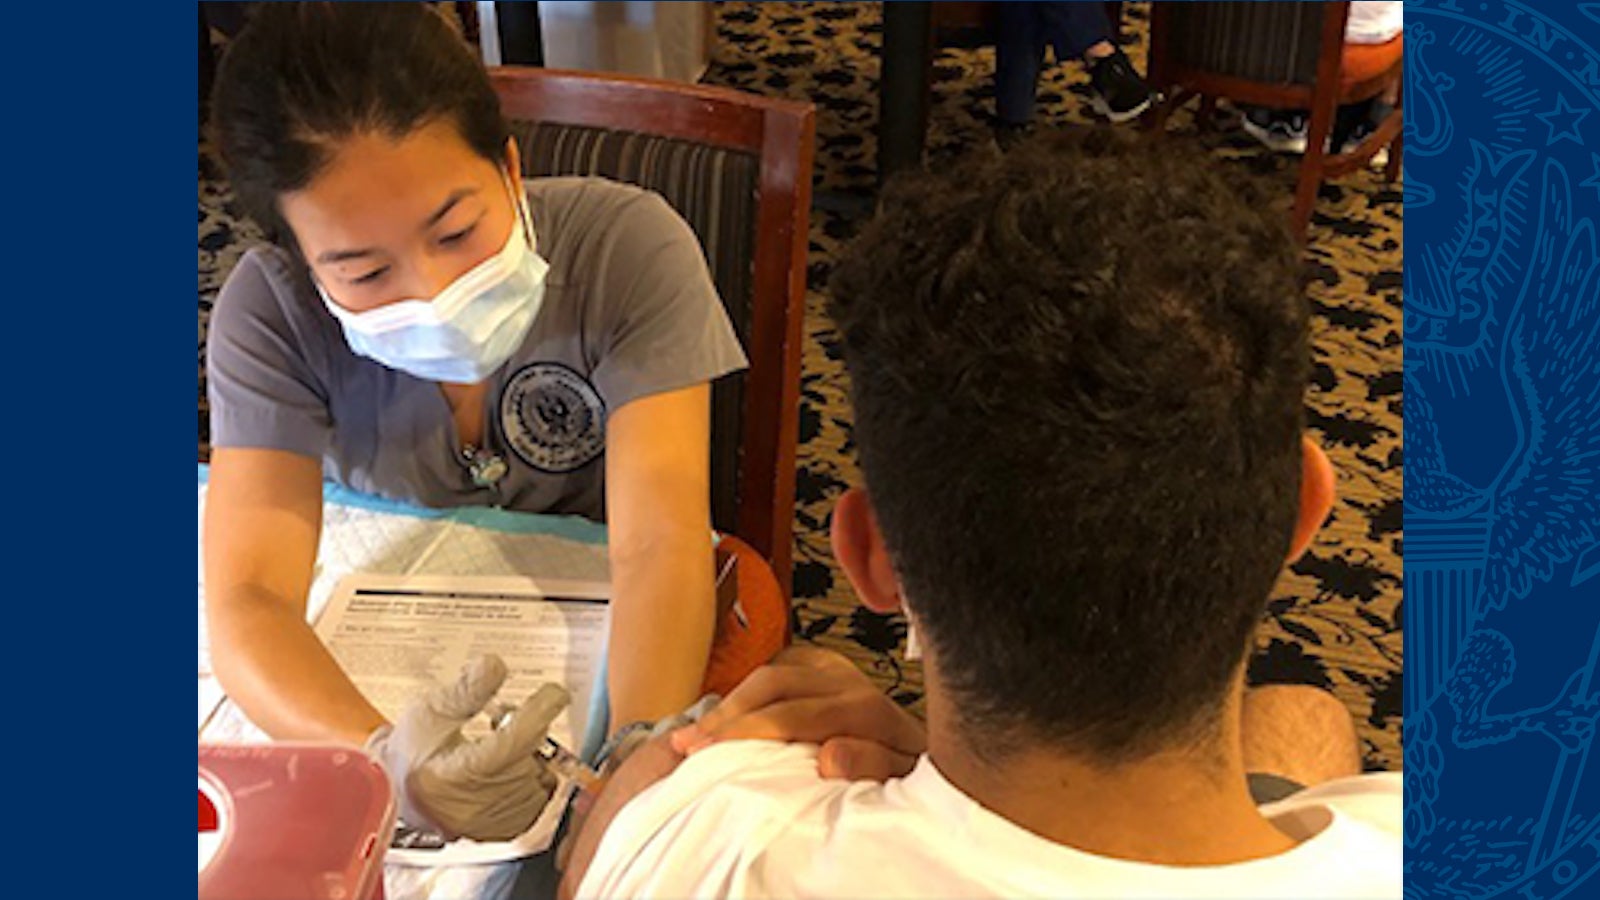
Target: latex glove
489 789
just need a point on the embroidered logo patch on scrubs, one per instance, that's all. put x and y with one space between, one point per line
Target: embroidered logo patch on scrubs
553 418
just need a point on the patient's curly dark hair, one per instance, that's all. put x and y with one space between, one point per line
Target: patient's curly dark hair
1077 374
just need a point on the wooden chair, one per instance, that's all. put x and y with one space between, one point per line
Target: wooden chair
737 167
1283 55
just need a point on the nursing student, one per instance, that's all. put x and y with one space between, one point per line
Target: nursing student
428 327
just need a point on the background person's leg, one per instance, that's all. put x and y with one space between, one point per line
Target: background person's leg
1018 55
1300 733
1074 28
1083 33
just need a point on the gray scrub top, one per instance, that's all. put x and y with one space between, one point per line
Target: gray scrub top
629 311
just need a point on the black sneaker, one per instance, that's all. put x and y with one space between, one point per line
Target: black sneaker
1364 129
1119 93
1280 130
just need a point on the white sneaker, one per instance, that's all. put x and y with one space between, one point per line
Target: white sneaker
1284 132
1359 134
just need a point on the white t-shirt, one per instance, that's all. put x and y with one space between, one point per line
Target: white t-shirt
753 819
1374 21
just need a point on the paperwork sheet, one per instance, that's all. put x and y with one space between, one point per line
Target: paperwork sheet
397 636
373 537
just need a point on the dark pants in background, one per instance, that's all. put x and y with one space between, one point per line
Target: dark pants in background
1022 32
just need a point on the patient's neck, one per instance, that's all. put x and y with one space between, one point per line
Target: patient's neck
1187 806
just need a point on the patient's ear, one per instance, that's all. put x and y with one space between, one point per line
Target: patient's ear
1316 496
862 554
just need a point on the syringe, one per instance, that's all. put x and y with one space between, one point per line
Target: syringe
556 758
567 764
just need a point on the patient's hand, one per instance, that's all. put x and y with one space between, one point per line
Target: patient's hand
806 694
816 696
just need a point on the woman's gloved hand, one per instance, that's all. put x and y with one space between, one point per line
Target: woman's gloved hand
489 789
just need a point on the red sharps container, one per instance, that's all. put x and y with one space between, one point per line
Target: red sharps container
290 820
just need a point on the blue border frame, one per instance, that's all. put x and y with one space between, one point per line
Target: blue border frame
100 337
1502 449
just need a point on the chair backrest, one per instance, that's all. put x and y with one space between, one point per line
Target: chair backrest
737 167
1246 41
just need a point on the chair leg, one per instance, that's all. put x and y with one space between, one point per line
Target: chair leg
1305 193
1156 118
1391 169
1155 121
1309 176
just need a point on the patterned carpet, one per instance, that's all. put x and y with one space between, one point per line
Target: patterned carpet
1334 619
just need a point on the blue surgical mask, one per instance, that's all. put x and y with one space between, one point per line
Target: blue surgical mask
466 332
